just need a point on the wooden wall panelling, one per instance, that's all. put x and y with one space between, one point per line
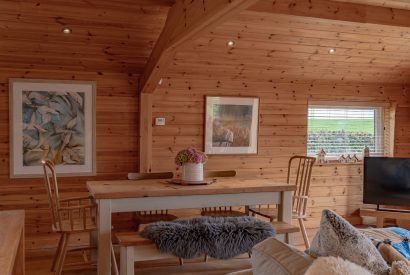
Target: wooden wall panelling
145 132
207 67
117 148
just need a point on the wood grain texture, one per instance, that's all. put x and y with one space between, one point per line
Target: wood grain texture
12 242
106 36
338 10
396 4
145 132
116 141
281 58
284 60
186 20
161 188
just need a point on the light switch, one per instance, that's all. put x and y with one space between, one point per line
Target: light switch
160 121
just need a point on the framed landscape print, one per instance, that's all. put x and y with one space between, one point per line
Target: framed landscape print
52 120
231 125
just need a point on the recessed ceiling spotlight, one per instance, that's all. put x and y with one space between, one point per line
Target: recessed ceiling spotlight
66 30
332 50
230 43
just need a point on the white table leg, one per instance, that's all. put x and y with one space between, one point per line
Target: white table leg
285 212
104 237
127 260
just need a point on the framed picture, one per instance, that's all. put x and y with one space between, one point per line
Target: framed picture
231 125
52 120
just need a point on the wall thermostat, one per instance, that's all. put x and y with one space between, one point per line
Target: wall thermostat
160 121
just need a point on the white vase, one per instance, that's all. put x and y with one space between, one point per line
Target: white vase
192 172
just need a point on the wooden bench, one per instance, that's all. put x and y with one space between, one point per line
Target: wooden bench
134 248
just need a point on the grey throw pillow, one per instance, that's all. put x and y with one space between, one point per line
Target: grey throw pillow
336 237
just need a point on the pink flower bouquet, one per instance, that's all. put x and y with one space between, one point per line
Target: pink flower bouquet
190 155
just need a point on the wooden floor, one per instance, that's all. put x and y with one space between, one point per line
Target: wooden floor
40 265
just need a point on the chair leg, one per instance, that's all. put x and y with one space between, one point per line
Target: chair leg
304 233
57 254
181 261
63 253
206 258
114 265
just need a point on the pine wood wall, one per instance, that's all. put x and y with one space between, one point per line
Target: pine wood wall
285 61
282 127
282 59
117 147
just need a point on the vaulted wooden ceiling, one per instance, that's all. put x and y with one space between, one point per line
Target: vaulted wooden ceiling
293 47
118 36
107 35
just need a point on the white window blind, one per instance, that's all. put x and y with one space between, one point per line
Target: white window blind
345 130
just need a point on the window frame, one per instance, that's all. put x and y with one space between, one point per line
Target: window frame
379 126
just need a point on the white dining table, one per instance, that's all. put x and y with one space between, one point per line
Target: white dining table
113 196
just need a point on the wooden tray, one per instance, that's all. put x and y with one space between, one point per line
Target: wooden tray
183 182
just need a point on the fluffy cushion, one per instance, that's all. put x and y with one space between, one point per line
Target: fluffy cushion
220 238
336 237
274 257
335 266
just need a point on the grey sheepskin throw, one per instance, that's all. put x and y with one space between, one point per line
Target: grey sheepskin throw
336 237
221 238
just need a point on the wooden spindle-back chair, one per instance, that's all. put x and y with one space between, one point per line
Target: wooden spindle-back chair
70 216
221 211
145 217
302 166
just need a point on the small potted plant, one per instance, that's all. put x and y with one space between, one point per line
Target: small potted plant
192 163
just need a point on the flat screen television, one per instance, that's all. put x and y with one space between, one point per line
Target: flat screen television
387 181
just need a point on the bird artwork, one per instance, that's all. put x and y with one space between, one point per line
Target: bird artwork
53 127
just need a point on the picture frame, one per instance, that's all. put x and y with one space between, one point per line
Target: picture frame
231 125
55 120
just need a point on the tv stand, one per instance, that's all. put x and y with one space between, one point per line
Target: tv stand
392 209
382 214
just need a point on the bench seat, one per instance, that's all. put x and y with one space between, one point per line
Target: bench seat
134 248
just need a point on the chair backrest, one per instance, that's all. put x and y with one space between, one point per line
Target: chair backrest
228 173
50 180
302 166
146 176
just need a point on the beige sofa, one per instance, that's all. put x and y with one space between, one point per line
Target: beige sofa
275 257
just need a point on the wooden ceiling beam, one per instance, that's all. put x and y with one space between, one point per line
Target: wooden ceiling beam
395 4
336 10
186 20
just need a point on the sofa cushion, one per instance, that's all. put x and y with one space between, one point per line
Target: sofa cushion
274 257
336 266
336 237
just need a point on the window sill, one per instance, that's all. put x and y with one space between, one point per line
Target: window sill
336 163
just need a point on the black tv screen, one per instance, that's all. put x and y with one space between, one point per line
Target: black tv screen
387 181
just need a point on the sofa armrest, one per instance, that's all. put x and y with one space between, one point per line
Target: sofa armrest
242 272
275 257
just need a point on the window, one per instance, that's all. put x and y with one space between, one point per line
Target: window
345 130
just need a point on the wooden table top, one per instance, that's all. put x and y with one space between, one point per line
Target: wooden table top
12 224
116 189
